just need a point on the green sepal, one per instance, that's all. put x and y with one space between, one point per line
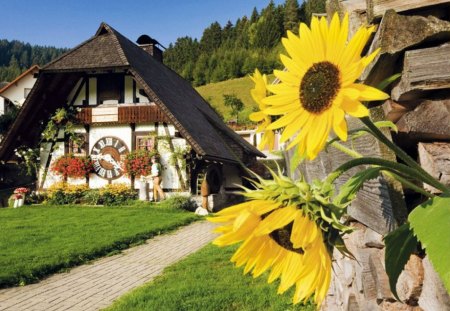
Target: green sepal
388 124
336 240
349 190
295 160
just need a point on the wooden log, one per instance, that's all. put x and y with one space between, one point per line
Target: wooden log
424 70
435 159
429 121
356 10
376 8
394 110
409 284
434 296
397 33
373 239
380 277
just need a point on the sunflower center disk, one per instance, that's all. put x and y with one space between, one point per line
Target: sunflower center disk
319 87
283 238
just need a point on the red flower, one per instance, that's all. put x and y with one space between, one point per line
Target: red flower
71 166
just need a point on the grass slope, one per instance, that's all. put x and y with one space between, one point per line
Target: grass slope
213 93
207 280
38 241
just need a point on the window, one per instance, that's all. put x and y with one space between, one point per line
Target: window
110 87
78 146
145 142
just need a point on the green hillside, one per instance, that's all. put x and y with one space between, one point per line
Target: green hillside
213 93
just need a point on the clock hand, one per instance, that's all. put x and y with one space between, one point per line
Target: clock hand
108 158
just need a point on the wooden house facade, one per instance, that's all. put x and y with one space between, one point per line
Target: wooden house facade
126 99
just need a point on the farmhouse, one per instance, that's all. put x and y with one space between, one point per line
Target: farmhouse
14 93
127 99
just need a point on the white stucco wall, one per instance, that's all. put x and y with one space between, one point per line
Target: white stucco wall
128 98
2 106
44 154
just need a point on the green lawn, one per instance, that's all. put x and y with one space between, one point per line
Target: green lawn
205 281
213 93
37 241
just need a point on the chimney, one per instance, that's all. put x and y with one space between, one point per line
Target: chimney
151 47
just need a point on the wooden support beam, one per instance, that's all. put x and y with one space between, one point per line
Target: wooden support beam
424 70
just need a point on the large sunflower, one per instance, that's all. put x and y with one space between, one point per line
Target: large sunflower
318 88
280 239
259 92
287 228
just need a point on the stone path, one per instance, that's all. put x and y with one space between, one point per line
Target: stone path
97 285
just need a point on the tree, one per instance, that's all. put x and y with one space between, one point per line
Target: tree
182 56
201 70
314 6
211 38
233 102
291 16
228 32
255 16
269 27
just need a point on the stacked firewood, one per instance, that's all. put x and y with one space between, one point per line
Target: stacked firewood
414 38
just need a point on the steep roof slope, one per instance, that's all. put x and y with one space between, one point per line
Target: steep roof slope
187 110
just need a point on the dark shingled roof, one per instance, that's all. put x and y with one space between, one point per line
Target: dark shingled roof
108 49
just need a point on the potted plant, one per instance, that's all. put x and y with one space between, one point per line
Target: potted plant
19 196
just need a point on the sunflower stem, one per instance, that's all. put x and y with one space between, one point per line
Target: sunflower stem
424 176
410 185
346 150
402 180
393 167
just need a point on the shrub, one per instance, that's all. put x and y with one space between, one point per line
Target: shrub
181 202
117 194
63 193
36 197
91 197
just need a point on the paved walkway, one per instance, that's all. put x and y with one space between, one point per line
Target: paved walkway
97 285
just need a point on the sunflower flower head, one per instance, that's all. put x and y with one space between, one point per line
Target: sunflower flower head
259 92
318 87
288 229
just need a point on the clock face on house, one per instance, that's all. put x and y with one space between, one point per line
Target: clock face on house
107 155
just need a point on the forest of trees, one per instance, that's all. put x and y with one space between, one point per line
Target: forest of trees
16 57
235 50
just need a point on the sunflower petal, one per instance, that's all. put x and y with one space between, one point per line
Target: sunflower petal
277 219
354 108
369 93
